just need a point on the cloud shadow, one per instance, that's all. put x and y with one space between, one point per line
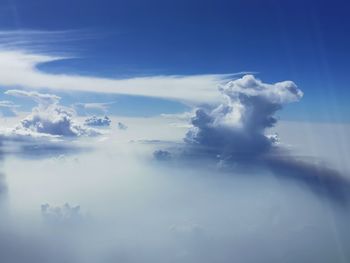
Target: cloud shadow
324 181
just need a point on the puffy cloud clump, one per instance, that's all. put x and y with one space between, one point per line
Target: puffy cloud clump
98 121
49 117
237 127
55 121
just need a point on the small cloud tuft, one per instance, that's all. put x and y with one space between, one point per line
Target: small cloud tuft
98 121
122 126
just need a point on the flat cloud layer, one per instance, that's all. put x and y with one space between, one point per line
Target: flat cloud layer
136 210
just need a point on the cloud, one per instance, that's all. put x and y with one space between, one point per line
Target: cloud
20 68
122 126
42 99
41 39
85 108
49 117
98 121
61 215
8 104
233 137
23 51
184 116
161 155
47 131
8 108
237 127
54 121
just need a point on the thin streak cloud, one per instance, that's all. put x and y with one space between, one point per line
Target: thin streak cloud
19 68
22 51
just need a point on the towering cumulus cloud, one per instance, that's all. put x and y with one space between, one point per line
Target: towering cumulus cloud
49 117
237 127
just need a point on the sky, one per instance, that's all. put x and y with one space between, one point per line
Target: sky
174 131
303 41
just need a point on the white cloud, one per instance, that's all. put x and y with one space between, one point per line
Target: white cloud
8 108
40 98
236 128
19 68
49 117
214 216
22 51
122 126
8 104
98 121
41 39
55 120
189 199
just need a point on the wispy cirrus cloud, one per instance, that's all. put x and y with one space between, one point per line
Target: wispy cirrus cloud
40 98
20 68
22 51
94 106
8 108
41 40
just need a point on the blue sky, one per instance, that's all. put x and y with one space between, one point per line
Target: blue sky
303 41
